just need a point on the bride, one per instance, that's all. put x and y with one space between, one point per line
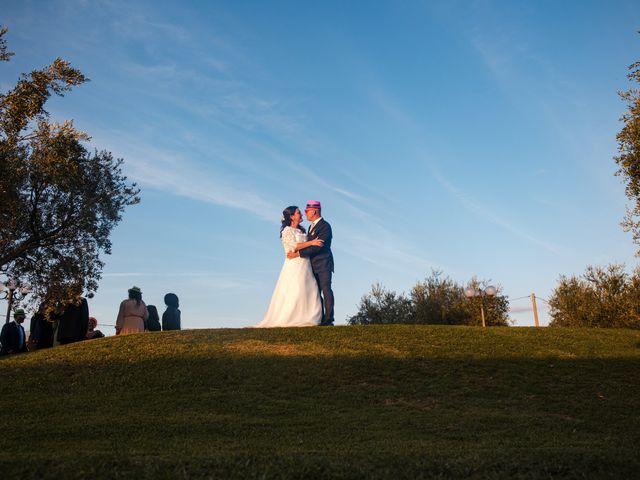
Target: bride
296 300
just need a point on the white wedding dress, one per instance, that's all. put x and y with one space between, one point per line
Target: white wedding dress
296 300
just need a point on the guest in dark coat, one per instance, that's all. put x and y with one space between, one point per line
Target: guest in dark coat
171 316
40 332
73 323
153 322
12 336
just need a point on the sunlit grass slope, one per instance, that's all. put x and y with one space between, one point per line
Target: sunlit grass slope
344 402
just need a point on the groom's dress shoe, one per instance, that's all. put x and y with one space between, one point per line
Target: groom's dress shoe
326 324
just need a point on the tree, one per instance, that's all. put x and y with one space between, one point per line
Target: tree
628 159
4 55
602 297
440 300
437 300
382 306
58 201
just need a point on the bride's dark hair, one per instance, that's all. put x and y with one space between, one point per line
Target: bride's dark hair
286 218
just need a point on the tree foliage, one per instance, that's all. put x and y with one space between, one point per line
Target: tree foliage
440 300
628 159
601 297
437 300
4 55
382 306
58 201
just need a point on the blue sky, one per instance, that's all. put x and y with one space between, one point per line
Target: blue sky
474 137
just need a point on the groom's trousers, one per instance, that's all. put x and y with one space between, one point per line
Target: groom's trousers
324 286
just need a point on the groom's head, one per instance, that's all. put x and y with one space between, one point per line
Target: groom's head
313 210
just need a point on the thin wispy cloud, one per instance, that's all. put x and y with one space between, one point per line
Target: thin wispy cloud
205 280
527 308
229 101
163 274
520 309
474 206
159 71
511 56
233 100
217 64
391 108
138 24
250 112
497 53
124 274
512 59
164 175
309 174
379 246
173 173
223 77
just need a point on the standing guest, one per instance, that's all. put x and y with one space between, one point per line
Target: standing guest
153 322
132 314
171 316
73 322
12 337
40 332
91 331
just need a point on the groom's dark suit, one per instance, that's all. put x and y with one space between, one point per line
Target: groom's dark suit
322 265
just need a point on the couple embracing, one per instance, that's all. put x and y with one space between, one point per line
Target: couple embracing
306 273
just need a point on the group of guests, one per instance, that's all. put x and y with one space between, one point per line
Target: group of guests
72 323
135 316
66 324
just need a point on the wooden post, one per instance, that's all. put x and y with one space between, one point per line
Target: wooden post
482 313
535 309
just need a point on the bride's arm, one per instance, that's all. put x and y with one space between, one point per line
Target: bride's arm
292 248
288 239
299 246
311 243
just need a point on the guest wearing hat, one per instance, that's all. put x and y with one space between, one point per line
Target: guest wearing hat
12 336
171 316
132 314
321 258
153 322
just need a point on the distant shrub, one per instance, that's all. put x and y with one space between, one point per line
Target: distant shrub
437 300
602 297
382 306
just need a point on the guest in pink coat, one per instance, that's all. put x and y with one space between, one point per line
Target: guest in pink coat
133 313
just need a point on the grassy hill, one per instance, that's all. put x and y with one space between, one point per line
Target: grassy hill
345 402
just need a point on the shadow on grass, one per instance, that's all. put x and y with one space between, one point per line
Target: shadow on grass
487 465
340 416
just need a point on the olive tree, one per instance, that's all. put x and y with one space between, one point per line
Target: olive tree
436 300
59 201
382 306
628 158
601 297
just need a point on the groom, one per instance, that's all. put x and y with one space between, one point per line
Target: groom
321 258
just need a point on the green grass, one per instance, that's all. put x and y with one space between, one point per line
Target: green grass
345 402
